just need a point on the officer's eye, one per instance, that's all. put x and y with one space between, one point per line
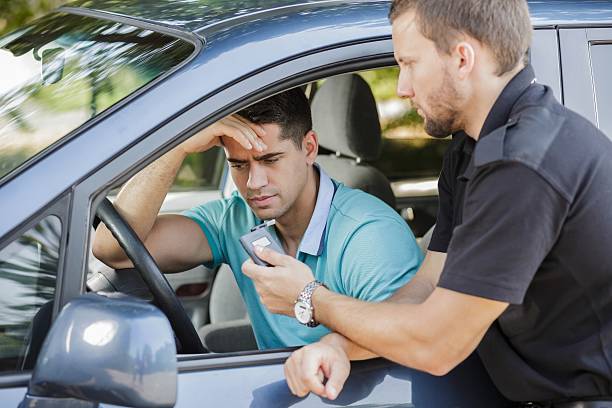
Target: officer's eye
270 161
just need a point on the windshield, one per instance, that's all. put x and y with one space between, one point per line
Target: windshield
63 70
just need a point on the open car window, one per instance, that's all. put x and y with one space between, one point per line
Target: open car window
64 70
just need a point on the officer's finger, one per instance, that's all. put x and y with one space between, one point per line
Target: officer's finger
337 374
251 269
310 373
272 257
295 385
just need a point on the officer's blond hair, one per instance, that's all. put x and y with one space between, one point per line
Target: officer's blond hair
503 26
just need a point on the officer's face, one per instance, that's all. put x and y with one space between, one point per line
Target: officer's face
273 180
425 78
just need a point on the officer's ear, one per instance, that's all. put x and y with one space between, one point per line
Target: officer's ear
464 57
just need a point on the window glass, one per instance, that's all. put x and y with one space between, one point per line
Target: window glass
200 171
63 70
601 57
408 152
28 272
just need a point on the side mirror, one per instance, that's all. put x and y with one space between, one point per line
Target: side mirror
116 350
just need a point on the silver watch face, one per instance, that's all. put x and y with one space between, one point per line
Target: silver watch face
302 311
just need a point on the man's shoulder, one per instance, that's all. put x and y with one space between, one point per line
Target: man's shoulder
356 207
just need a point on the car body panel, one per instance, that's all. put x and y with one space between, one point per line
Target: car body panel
248 56
193 15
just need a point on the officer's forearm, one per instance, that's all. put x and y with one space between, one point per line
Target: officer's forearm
390 330
352 350
139 202
424 282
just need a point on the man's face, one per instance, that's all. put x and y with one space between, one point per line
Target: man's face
270 181
425 78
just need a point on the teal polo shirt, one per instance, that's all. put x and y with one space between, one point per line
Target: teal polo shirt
355 243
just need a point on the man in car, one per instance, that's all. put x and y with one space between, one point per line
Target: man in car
519 264
333 229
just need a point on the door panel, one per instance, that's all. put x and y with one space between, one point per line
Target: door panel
374 383
586 55
544 55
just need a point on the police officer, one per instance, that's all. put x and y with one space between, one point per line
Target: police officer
519 263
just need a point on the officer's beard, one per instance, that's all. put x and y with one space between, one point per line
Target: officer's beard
444 117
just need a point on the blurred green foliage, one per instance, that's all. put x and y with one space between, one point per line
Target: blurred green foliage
15 13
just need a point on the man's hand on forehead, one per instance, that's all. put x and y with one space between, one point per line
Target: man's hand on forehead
247 134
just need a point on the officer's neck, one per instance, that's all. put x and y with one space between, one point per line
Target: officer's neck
488 87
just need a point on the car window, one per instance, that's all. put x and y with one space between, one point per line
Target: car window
408 152
28 271
64 70
601 59
200 171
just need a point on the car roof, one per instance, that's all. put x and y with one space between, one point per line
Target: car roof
203 15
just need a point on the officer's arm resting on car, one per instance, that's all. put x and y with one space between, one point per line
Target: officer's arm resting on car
433 336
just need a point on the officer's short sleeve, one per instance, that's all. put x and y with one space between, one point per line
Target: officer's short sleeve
511 220
443 231
210 217
378 258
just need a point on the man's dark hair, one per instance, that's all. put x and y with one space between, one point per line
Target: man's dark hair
504 26
290 110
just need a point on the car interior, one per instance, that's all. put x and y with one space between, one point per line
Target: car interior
346 119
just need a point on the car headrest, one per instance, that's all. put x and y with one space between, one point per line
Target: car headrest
345 118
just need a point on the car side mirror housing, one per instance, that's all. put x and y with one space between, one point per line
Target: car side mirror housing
116 350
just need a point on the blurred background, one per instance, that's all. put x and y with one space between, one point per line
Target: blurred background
15 13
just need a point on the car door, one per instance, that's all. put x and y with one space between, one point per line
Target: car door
586 55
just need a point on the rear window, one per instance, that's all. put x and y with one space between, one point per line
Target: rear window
63 70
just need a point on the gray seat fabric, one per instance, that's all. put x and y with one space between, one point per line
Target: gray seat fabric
346 120
230 328
425 239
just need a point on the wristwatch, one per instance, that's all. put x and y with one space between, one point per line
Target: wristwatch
304 312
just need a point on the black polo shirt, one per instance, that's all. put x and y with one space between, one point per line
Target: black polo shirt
536 232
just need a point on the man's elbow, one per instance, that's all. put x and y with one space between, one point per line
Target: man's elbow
103 250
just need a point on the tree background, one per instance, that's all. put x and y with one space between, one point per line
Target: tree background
15 13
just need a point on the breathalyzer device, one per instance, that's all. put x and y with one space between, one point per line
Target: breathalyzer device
260 236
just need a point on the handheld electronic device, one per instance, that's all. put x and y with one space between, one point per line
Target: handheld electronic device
260 236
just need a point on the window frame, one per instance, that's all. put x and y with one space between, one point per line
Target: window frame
59 208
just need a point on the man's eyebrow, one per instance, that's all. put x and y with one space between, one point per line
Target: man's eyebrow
238 161
267 156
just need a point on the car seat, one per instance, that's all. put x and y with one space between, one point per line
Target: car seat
345 118
230 328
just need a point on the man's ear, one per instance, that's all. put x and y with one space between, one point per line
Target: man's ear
310 146
464 57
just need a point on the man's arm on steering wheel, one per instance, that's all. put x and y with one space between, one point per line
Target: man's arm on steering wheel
175 241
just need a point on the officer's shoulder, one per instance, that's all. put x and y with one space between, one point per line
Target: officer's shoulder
525 138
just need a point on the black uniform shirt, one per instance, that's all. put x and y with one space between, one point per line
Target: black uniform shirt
536 232
451 189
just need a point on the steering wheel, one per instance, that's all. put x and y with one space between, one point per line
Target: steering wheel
162 292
